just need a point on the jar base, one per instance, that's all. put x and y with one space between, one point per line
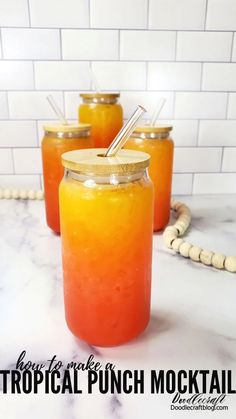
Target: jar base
119 342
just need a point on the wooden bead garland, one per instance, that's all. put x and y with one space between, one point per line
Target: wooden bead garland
21 194
170 234
187 250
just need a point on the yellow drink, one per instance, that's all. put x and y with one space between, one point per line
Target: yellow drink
157 143
102 111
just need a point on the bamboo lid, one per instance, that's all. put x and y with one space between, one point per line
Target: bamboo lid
96 95
92 161
147 129
75 128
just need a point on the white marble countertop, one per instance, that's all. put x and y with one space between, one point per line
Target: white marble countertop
193 323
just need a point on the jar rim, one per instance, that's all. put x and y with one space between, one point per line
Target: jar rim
100 95
147 129
93 161
66 128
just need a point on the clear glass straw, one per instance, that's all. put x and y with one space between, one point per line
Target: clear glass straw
95 83
57 110
125 132
157 111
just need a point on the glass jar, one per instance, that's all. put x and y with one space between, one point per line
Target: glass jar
57 140
157 143
102 111
106 210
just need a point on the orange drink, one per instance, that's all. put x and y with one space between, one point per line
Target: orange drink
102 111
157 143
57 140
106 210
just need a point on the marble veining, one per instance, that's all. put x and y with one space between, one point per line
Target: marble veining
193 323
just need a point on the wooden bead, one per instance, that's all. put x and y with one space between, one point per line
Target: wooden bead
31 194
181 227
171 229
168 238
176 244
173 204
218 260
6 194
184 249
230 263
23 194
185 218
39 195
194 253
206 257
15 194
179 206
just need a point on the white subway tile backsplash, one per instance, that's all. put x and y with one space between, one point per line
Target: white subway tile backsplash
18 134
184 132
200 105
204 46
219 77
89 44
232 106
144 49
60 75
32 105
197 159
214 183
181 14
234 48
174 76
6 162
14 13
0 46
118 14
120 75
182 184
217 133
56 14
147 45
31 43
221 15
149 100
229 159
27 160
3 105
20 181
16 75
72 101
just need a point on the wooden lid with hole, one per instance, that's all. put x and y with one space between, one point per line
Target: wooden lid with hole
93 161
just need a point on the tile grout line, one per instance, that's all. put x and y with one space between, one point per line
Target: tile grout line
147 21
206 11
119 45
232 47
29 15
89 13
222 158
60 41
13 160
1 43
